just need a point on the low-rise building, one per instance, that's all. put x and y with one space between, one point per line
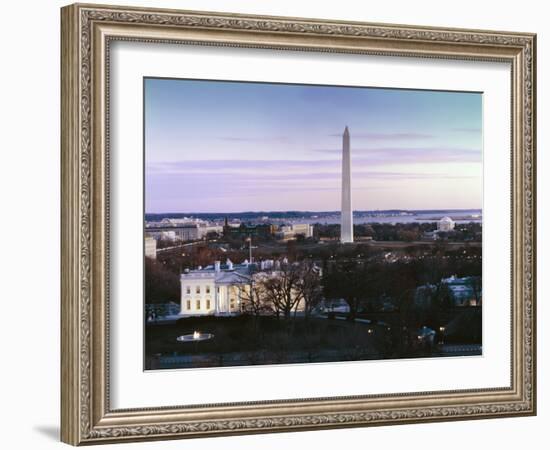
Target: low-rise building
287 232
150 247
248 230
429 236
303 228
161 234
334 305
465 291
204 230
182 230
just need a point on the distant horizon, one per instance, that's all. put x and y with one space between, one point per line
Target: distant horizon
314 211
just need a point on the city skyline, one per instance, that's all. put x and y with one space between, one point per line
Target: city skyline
236 146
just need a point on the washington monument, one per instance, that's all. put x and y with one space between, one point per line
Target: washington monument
346 219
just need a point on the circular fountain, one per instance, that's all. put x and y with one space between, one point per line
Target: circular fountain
197 336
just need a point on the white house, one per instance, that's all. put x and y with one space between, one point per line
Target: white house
214 290
221 289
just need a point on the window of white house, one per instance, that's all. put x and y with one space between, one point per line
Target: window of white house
207 304
188 290
198 289
198 304
188 304
232 303
208 289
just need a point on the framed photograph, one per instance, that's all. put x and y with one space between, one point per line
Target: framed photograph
280 224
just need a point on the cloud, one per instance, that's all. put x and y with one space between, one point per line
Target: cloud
356 174
402 155
473 130
239 166
287 184
244 172
253 139
362 160
388 136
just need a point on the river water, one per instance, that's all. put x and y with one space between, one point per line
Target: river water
462 216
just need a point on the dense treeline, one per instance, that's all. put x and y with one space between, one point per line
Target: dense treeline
390 270
407 232
388 287
161 284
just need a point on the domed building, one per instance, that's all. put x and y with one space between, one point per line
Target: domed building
445 224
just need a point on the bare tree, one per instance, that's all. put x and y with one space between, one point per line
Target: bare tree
254 298
309 286
349 281
476 285
282 291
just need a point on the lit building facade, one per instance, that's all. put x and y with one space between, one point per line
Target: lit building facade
151 247
287 232
303 228
183 232
214 290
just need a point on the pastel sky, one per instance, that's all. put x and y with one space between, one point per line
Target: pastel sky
214 146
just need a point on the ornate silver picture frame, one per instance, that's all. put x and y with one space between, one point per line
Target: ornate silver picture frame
87 34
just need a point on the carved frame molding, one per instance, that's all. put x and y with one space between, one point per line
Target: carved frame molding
87 31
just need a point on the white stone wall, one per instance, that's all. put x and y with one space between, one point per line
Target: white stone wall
151 247
198 294
201 296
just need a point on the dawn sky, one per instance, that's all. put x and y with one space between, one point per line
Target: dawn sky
229 146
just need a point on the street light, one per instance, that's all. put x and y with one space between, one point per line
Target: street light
249 240
441 334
